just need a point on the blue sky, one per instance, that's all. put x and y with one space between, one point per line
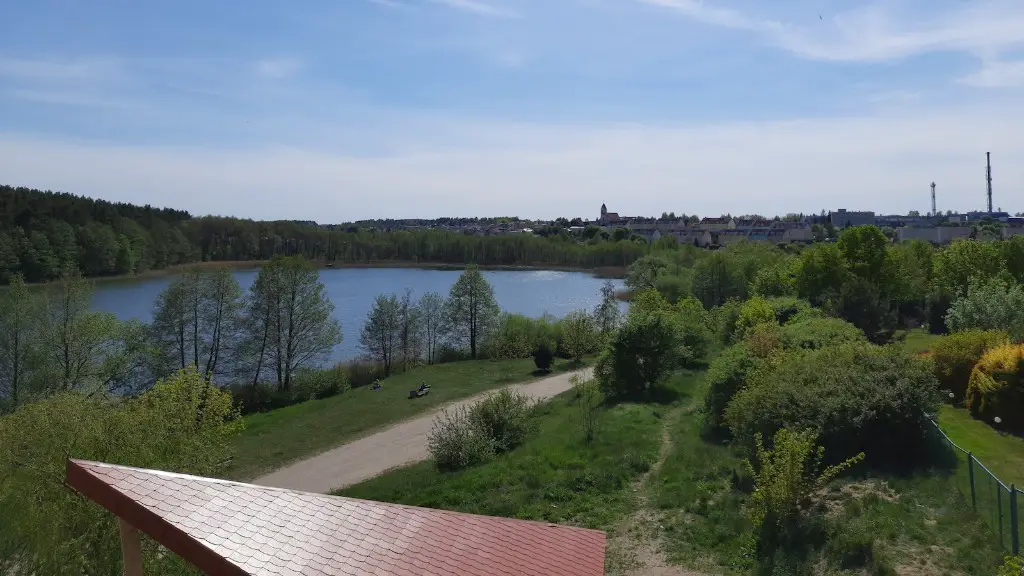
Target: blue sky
345 109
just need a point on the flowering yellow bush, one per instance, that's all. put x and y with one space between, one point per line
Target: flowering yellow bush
994 392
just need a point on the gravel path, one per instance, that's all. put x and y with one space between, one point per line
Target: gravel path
401 444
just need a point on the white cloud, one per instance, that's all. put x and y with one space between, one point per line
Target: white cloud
277 68
877 31
997 74
38 69
478 7
879 162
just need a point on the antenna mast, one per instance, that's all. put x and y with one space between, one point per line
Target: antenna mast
934 213
988 178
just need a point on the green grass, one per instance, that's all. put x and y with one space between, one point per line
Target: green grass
552 477
275 438
920 340
1001 453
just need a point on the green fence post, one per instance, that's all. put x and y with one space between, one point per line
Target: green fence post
999 504
970 472
1014 532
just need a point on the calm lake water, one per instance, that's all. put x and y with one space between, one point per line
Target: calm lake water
352 291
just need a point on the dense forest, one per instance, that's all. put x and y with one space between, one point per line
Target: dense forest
43 233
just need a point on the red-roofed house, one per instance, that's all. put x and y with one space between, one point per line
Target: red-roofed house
239 529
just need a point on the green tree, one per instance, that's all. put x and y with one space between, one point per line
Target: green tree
430 309
991 305
963 261
382 332
409 330
864 248
298 327
579 333
197 320
717 278
607 313
641 353
20 315
471 310
182 425
753 313
821 272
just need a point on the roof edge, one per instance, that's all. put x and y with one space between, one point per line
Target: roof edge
147 521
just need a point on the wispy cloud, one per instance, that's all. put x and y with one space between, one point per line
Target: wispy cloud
478 7
277 68
997 74
40 69
876 31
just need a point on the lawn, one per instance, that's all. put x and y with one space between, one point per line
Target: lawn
1001 453
273 439
553 477
920 340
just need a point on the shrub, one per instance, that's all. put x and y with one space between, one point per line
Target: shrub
805 332
993 305
543 357
956 354
996 387
724 320
775 280
753 312
588 401
307 384
514 336
504 417
785 480
787 308
456 443
311 384
725 377
579 334
936 307
183 424
643 351
855 397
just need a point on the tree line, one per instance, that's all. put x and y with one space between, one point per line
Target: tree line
42 234
51 340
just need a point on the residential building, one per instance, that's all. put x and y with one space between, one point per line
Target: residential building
844 218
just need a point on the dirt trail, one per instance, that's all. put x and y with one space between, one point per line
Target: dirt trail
635 546
401 444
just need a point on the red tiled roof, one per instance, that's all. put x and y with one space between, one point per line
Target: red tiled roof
232 528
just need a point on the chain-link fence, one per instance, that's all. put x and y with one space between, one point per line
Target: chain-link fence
994 500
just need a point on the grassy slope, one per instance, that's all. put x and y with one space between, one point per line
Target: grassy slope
275 438
1003 454
920 340
553 477
700 495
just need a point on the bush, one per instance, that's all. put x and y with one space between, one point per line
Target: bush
996 387
307 384
455 442
936 307
579 335
588 401
726 376
806 332
993 305
543 357
956 354
724 320
787 309
504 417
753 312
640 354
183 424
855 397
785 480
517 336
694 330
311 384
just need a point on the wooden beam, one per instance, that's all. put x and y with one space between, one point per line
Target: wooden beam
131 549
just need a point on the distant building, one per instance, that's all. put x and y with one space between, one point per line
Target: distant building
718 224
611 218
844 218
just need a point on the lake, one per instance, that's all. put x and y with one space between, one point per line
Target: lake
352 290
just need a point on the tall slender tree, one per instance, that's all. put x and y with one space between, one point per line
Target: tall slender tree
471 310
382 333
19 333
607 313
430 309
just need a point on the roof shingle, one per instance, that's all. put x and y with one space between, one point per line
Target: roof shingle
275 532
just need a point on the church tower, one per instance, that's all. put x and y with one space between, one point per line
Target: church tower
604 212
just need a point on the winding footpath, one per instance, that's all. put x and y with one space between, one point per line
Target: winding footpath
399 445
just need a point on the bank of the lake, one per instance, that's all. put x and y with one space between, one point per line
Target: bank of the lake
352 290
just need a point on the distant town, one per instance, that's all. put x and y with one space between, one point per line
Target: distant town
937 228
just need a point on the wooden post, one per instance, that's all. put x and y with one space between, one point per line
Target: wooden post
131 550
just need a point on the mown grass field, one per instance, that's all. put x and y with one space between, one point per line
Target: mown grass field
919 340
1001 453
273 439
